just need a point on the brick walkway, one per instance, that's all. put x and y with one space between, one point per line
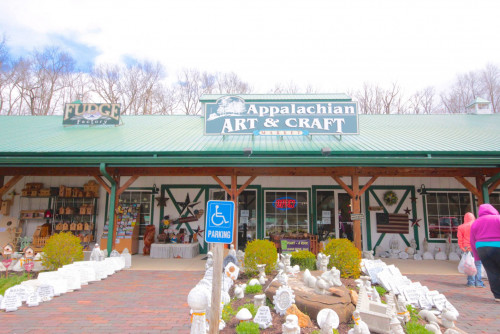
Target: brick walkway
127 302
479 313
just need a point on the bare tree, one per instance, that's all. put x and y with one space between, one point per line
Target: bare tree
490 85
105 80
422 102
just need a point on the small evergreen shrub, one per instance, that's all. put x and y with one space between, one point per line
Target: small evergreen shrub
260 252
249 307
345 257
251 289
416 328
304 259
61 249
247 328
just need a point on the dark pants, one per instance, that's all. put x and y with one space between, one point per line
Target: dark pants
490 257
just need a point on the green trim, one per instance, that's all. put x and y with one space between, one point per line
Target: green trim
484 188
368 220
414 216
111 208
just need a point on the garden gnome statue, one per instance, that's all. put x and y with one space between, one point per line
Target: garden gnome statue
322 262
328 320
232 251
262 273
291 326
210 260
96 253
198 302
360 327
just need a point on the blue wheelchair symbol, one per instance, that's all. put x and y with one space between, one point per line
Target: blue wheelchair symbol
218 217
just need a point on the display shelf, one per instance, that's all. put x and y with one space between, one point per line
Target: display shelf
127 229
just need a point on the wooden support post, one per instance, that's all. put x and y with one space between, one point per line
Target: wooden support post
218 250
127 184
479 185
234 198
471 188
115 204
356 208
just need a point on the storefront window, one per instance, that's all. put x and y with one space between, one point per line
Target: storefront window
325 213
144 198
445 212
286 211
495 200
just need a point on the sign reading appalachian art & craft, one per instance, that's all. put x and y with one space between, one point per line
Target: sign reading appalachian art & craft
232 115
91 114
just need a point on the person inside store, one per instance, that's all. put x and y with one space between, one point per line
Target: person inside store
341 225
463 235
485 245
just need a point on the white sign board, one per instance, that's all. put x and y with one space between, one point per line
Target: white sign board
263 317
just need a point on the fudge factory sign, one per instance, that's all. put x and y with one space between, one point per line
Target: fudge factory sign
91 114
232 115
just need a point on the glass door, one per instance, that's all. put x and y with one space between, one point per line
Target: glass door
325 214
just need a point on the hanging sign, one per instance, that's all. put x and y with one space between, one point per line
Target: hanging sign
231 115
91 114
284 203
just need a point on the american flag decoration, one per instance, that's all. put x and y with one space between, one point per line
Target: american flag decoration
397 223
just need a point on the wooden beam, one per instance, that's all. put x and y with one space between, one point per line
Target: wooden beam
493 187
479 186
219 181
356 208
102 183
344 186
127 184
468 186
12 182
257 171
367 185
245 185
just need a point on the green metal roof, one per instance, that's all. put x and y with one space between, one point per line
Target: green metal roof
384 140
279 97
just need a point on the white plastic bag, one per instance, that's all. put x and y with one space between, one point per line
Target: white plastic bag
469 265
461 264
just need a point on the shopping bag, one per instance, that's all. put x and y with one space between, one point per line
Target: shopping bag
469 265
461 264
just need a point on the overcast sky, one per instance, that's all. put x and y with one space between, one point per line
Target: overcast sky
332 45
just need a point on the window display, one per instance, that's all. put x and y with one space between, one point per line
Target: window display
445 212
286 211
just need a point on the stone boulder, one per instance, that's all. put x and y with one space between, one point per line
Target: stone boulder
311 303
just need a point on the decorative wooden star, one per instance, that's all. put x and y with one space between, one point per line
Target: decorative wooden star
186 204
407 211
413 199
198 231
415 221
162 200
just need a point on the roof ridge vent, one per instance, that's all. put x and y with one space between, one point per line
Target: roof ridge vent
479 106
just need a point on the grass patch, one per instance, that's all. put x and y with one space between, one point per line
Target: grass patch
416 328
247 328
381 291
228 312
12 280
251 289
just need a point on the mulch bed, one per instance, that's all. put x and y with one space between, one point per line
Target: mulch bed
277 319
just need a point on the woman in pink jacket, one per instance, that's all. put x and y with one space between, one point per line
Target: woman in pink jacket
464 243
485 244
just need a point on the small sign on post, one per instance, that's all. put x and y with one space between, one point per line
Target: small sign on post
357 216
219 230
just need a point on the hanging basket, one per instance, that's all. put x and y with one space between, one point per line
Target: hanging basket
390 198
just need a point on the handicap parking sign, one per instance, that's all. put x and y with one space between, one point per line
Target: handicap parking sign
219 222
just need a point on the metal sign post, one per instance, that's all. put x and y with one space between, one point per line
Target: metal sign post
219 231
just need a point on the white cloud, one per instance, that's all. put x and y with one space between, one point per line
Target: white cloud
335 45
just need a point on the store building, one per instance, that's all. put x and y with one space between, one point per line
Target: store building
295 163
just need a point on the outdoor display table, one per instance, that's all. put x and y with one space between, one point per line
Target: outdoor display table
166 251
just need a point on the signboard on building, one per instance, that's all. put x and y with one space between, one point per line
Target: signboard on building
91 113
231 115
291 245
284 203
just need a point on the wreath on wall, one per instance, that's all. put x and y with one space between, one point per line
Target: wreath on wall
390 197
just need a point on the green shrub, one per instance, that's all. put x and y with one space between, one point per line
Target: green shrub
228 312
345 257
413 313
250 307
304 259
250 289
247 328
61 249
260 252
